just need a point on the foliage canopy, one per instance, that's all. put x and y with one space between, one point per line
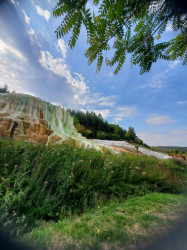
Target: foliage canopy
4 89
127 27
91 125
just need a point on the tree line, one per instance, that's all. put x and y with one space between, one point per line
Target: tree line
93 126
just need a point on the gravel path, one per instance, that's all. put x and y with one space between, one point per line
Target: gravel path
126 144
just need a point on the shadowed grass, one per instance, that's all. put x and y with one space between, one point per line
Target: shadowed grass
128 222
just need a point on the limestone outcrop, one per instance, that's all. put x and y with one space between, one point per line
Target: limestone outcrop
38 121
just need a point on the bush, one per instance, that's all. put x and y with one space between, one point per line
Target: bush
107 136
49 182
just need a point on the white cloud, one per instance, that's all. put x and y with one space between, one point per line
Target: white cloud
81 95
118 113
182 102
57 66
13 69
106 101
33 37
158 120
6 48
110 74
31 32
41 12
169 27
62 47
173 65
12 1
27 19
171 138
104 112
157 81
126 111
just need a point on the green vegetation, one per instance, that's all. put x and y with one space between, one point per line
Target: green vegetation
171 150
40 182
91 125
4 89
127 28
112 225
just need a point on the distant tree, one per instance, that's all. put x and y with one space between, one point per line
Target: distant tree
139 141
85 132
131 135
4 89
127 27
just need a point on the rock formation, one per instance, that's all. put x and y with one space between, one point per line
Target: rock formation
38 121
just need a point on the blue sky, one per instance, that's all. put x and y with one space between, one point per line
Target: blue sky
33 61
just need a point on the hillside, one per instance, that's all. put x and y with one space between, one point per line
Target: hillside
37 121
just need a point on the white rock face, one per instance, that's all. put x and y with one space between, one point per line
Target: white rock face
126 144
38 121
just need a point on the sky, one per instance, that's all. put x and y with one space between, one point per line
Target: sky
35 62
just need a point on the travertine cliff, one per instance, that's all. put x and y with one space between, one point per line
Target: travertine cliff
38 121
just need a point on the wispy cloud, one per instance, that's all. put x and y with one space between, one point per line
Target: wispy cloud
158 120
182 102
118 113
104 112
57 66
171 138
41 12
12 1
106 101
173 65
5 48
27 19
169 27
157 81
62 47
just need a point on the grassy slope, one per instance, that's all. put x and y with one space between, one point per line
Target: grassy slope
85 190
116 224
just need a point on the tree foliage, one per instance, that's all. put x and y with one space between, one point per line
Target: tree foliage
91 125
4 89
125 27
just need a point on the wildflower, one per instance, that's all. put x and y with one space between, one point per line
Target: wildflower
16 167
154 209
45 183
144 173
24 217
5 165
98 231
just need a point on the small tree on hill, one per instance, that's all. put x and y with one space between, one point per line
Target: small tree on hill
4 89
131 135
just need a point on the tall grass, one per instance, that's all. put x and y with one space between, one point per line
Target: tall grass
50 182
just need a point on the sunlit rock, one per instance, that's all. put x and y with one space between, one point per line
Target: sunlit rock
38 121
